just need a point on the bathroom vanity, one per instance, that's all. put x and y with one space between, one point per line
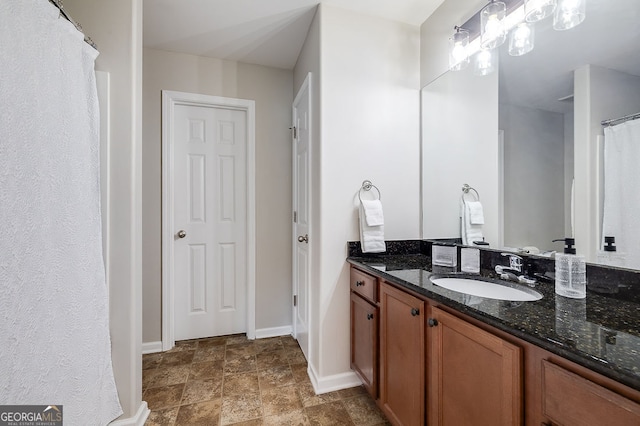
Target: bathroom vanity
435 356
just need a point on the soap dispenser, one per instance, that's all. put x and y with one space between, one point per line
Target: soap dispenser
609 255
571 272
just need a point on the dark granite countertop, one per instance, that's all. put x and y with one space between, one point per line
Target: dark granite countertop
599 332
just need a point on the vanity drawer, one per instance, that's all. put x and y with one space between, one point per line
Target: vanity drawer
569 399
365 285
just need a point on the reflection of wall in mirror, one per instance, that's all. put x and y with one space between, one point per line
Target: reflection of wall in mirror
534 172
459 145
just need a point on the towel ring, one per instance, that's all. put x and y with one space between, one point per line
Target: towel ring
465 190
366 186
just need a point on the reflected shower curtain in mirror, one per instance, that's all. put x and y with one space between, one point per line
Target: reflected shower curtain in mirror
621 215
55 345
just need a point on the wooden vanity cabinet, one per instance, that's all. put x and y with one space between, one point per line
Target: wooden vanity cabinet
402 356
429 364
475 377
570 399
364 329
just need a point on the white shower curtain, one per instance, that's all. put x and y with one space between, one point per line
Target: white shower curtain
54 327
621 216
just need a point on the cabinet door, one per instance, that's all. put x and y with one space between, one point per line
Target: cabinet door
364 284
475 378
569 399
402 356
364 342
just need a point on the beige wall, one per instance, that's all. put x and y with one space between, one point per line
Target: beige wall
272 90
116 27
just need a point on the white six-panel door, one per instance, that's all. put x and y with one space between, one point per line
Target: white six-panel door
209 213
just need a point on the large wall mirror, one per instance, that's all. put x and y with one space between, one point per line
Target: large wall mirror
528 136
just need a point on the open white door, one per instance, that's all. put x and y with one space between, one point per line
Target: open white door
301 216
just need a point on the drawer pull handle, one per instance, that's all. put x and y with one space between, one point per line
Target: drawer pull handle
369 316
415 312
432 322
359 283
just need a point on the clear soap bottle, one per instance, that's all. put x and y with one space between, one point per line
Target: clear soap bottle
610 255
571 272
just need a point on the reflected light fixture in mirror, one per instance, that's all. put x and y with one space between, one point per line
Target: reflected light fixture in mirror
521 39
458 45
537 10
485 62
568 14
492 31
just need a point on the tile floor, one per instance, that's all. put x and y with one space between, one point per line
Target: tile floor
231 380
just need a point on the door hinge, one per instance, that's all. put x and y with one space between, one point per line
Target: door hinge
295 132
295 217
295 300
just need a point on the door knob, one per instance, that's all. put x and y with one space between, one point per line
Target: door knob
432 322
304 239
369 316
415 312
181 234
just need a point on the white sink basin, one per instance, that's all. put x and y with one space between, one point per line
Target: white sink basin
488 289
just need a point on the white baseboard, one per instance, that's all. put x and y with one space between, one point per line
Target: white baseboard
151 347
263 333
333 382
137 420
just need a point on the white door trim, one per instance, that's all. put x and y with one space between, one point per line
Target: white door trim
170 99
306 86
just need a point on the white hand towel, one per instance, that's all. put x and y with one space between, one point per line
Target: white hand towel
476 215
373 212
469 232
371 237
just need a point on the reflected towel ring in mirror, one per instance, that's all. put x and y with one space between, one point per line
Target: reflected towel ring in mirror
366 186
466 188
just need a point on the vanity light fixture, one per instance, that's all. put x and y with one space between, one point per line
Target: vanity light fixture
521 39
568 14
537 10
492 31
485 62
458 54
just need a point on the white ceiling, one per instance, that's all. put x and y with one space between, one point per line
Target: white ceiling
264 32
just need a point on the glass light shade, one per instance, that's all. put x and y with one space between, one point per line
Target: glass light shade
536 10
458 54
521 39
485 62
492 32
569 13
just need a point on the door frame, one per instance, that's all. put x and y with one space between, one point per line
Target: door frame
171 99
306 85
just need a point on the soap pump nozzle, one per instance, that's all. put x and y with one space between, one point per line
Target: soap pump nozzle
568 245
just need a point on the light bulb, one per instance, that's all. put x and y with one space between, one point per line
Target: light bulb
536 10
484 62
521 39
569 14
458 54
492 32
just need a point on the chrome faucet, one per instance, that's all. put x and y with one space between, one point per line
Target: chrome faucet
515 270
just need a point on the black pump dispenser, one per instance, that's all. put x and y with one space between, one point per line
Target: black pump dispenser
568 245
609 243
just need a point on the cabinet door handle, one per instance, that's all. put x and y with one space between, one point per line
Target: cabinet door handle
369 316
415 312
432 322
359 283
